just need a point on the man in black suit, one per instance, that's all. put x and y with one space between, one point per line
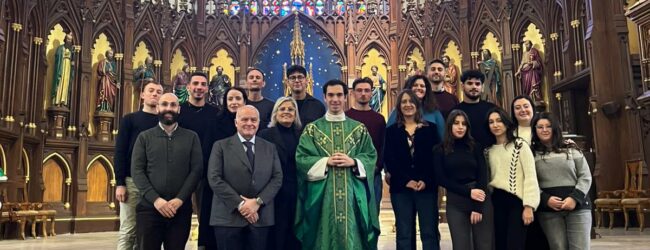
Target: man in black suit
245 174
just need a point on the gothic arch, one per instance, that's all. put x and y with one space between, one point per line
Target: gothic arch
220 37
109 25
146 31
64 14
63 163
373 45
403 55
62 159
485 21
183 40
303 19
212 53
107 162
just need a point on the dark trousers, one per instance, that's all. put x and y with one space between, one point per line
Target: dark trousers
283 236
242 238
154 230
405 206
464 234
204 200
535 237
509 229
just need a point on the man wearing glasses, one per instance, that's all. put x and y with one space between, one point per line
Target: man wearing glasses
309 108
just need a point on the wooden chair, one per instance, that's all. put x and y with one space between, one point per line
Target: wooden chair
635 198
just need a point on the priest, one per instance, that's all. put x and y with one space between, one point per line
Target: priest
336 204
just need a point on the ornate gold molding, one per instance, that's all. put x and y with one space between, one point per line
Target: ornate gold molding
554 36
16 27
575 23
119 56
515 46
38 40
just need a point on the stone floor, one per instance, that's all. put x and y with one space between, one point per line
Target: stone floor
611 239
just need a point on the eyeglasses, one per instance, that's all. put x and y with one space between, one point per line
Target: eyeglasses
296 78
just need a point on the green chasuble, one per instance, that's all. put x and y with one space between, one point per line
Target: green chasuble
336 208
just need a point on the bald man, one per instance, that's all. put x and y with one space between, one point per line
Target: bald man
245 174
166 166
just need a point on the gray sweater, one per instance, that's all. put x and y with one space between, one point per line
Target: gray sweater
563 175
166 166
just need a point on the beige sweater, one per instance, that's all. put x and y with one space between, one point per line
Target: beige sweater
518 178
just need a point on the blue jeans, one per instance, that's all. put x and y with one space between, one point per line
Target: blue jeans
567 229
405 206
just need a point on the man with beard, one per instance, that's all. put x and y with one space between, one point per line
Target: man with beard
436 74
309 108
255 83
166 168
126 192
201 118
475 108
374 122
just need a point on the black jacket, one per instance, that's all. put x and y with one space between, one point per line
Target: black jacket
402 166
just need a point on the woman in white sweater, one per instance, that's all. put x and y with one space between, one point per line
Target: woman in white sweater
564 179
513 178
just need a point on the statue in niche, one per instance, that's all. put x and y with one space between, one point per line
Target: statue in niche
108 85
414 70
492 83
63 73
530 72
452 76
180 84
218 86
378 89
144 73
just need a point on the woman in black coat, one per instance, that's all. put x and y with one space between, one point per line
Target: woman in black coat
413 189
284 131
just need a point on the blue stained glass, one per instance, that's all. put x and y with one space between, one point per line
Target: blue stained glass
234 8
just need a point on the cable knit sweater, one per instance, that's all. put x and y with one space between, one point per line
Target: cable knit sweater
514 174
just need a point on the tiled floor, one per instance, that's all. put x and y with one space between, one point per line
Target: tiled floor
611 239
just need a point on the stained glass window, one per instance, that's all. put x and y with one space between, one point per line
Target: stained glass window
309 7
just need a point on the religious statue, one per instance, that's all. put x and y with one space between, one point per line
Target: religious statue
63 73
414 70
492 84
180 84
108 85
452 76
144 73
218 86
378 89
530 72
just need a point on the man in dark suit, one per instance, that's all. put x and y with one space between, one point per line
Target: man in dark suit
245 174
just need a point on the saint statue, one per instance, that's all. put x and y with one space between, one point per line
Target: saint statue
378 89
414 70
180 84
492 84
63 73
144 73
453 74
530 72
218 86
108 86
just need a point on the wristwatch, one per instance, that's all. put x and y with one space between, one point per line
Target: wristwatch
259 201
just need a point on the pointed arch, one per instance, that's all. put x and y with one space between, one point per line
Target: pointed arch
146 31
63 160
374 34
110 26
64 14
107 163
184 40
304 19
383 51
485 21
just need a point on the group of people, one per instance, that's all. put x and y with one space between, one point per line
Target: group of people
297 174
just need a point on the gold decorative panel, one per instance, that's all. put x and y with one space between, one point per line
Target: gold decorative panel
224 59
374 58
178 60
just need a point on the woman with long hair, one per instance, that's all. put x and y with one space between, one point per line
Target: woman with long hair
413 189
421 87
564 178
515 193
233 99
284 131
461 169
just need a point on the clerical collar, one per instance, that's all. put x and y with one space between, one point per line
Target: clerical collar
334 118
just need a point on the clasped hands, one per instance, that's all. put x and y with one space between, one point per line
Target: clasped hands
557 204
340 160
167 208
417 186
249 209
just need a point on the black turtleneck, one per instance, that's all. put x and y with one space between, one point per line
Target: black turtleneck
202 121
459 168
225 125
289 137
